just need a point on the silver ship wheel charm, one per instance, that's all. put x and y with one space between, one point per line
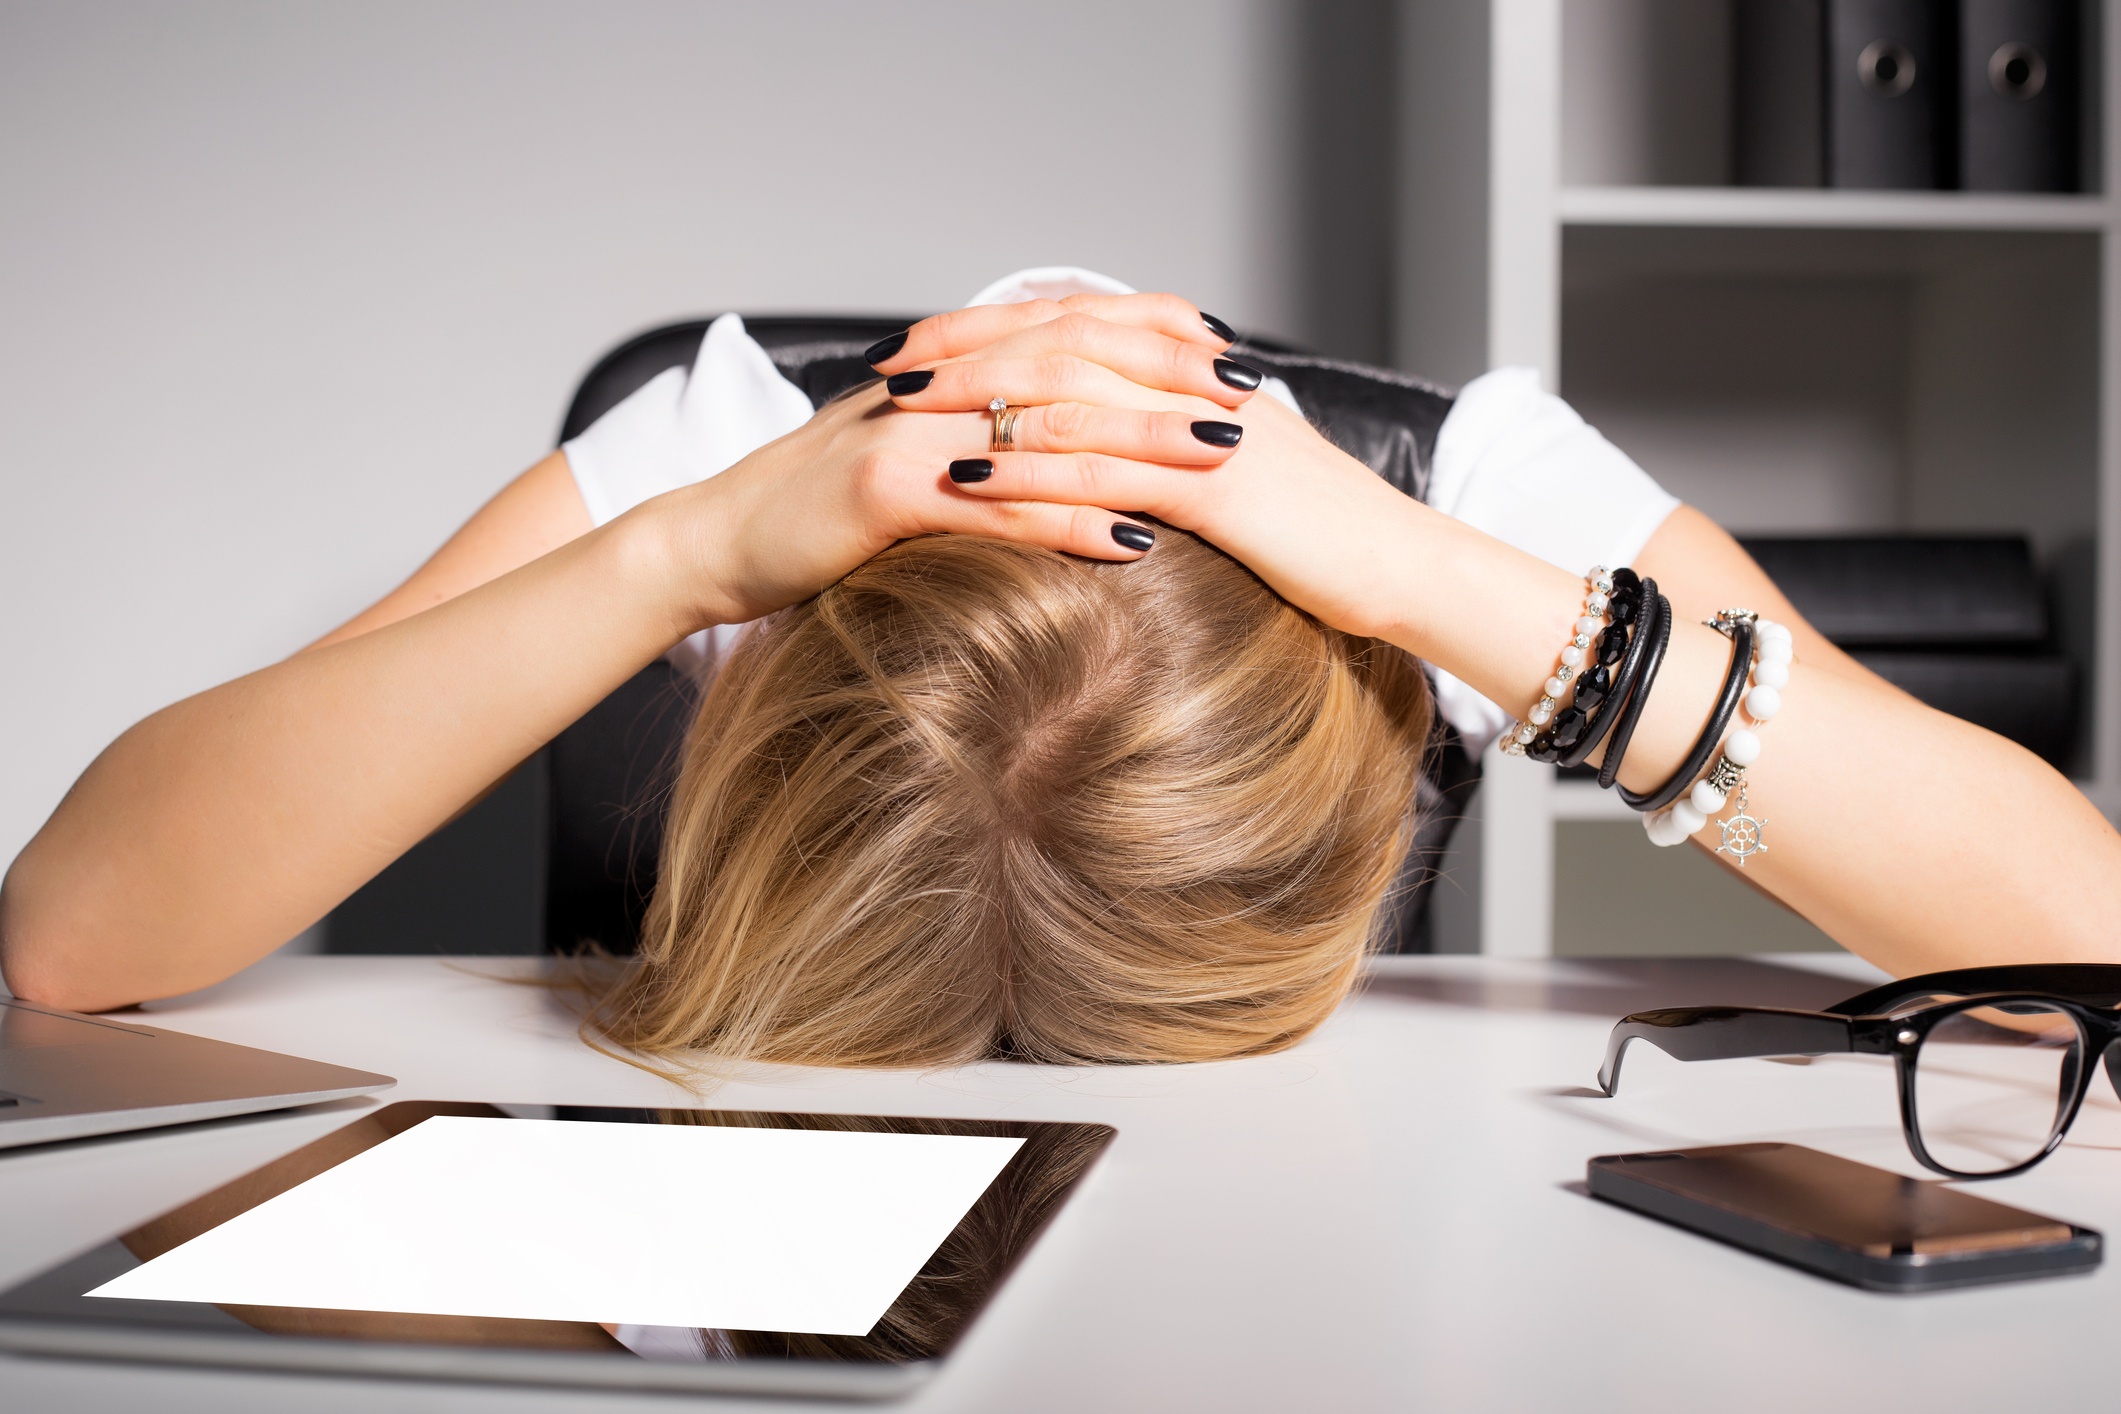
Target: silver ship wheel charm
1742 834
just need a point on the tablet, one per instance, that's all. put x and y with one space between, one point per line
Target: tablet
669 1249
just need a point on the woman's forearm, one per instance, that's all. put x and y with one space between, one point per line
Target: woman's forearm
1913 838
217 828
1922 841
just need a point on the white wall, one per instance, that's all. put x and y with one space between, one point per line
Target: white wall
287 289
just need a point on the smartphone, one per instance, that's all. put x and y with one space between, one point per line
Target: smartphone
1842 1219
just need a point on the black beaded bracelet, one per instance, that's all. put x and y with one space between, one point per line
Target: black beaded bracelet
1601 689
1697 760
1657 629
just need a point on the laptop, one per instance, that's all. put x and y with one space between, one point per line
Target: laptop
68 1076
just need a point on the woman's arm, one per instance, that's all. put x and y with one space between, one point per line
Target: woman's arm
212 831
230 821
1700 568
1982 853
533 515
1914 838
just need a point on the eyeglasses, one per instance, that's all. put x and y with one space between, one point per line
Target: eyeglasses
1993 1062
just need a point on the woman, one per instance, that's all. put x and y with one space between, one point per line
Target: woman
218 827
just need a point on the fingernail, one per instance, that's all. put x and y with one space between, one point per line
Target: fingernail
1133 537
970 469
900 385
1218 434
1241 376
886 347
1215 326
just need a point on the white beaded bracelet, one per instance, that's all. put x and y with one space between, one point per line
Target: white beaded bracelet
1774 650
1598 590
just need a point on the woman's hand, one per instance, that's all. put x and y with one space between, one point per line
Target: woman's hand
1160 342
1335 539
1320 527
801 512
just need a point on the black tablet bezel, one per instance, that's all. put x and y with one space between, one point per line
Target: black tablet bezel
49 1314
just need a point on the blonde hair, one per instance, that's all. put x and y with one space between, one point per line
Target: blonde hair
981 799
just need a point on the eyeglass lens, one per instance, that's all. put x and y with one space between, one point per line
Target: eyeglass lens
1989 1083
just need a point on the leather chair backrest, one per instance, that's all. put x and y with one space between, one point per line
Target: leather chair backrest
611 772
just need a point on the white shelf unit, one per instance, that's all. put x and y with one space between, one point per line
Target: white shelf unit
1796 361
1762 209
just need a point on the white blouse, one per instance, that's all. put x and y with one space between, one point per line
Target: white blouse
1511 460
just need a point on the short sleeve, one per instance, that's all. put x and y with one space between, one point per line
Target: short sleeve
681 427
1518 463
684 426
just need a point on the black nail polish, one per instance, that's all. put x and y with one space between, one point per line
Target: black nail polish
1241 376
1219 329
902 385
967 470
1218 434
886 347
1133 537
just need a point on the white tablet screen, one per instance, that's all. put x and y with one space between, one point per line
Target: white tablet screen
806 1230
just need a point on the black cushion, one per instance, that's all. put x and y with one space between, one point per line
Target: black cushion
611 772
1957 621
1902 591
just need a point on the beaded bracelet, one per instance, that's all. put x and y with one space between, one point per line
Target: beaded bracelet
1774 650
1603 691
1523 733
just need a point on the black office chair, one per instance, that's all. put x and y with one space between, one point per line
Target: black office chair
610 772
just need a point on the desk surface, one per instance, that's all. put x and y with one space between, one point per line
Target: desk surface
1386 1217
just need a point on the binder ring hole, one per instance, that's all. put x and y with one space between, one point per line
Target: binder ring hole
2017 71
1887 69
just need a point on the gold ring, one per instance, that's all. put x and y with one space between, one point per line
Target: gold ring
1004 438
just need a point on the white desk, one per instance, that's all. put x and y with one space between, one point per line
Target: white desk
1380 1219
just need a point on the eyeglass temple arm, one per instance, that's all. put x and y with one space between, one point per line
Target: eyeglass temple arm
2096 982
1724 1033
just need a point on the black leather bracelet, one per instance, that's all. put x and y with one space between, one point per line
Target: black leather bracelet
1657 628
1697 760
1599 719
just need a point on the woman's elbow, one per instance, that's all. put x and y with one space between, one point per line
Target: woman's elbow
44 957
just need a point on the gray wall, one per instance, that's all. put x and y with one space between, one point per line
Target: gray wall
286 289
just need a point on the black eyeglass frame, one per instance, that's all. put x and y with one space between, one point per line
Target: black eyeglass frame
1880 1022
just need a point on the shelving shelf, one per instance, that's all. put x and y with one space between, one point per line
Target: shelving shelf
1759 208
1792 361
1584 800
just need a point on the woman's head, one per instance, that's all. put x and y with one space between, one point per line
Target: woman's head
983 799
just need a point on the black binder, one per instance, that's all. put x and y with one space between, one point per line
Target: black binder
1779 115
1890 94
1928 592
1960 622
2018 95
1844 93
